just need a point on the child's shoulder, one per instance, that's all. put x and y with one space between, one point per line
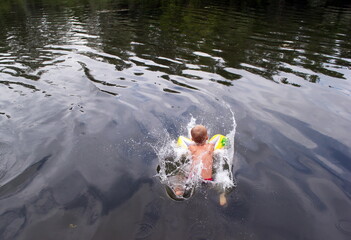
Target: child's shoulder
203 146
211 146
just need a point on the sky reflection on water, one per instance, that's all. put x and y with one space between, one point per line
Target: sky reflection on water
88 87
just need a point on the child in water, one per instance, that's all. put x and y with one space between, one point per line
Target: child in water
201 153
201 159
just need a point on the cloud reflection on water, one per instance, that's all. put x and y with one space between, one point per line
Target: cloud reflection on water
94 84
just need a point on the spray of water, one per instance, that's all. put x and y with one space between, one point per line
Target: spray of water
174 161
226 161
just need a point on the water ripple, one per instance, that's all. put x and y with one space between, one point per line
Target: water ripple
80 81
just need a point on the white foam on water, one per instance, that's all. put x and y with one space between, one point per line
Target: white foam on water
174 161
190 125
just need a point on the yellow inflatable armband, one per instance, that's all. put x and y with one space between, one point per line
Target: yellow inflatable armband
219 141
184 142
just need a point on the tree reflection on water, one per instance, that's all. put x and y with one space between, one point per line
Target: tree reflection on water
281 44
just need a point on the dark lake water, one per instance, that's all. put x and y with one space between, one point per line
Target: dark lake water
89 88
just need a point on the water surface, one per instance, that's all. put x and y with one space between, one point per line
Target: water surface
88 88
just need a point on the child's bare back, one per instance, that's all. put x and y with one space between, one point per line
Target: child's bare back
202 156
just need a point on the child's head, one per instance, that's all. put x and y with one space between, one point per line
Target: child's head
199 134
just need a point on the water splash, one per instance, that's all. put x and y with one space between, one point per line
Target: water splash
175 161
